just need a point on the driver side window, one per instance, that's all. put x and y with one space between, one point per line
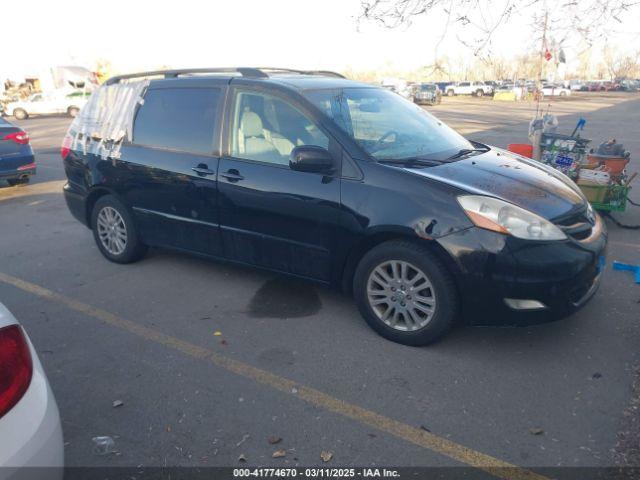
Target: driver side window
266 129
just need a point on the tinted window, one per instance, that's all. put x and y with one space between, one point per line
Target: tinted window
178 118
266 128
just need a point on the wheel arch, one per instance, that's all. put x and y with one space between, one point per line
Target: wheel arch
93 196
371 241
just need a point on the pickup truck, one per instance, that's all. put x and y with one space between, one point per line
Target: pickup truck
48 103
469 88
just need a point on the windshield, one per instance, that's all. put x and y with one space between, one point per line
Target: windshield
427 88
386 125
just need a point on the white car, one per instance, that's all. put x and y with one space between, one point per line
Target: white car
551 90
30 431
469 88
48 103
398 86
577 85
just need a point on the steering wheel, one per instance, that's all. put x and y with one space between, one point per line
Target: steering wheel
380 142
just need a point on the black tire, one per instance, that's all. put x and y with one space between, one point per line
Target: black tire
20 114
443 289
134 249
18 181
73 111
450 93
479 93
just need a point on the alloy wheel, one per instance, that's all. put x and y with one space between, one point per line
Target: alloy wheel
401 295
112 231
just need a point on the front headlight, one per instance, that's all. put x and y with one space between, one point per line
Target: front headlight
499 216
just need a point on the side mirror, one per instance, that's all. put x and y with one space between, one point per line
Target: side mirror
311 158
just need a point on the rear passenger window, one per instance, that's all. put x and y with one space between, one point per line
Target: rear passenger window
178 118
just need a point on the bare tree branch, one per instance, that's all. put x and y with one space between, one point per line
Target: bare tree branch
588 20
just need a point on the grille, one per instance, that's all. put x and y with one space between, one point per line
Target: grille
576 226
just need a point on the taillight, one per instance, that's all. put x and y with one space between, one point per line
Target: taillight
16 367
19 137
65 149
28 166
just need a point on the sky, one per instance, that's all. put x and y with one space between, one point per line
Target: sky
314 34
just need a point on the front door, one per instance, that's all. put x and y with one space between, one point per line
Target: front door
272 216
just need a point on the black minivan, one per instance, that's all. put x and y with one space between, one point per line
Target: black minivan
347 184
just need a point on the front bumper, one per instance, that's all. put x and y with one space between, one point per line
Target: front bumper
31 445
492 269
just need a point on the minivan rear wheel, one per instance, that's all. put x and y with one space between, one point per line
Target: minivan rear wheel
405 293
115 232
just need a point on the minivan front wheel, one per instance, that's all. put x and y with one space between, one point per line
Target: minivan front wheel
405 293
115 232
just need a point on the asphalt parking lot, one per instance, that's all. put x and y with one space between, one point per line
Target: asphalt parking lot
296 361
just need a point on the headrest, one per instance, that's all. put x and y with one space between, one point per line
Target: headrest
251 124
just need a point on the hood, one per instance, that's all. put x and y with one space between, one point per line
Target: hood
512 178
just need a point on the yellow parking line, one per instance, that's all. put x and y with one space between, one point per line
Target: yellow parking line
315 397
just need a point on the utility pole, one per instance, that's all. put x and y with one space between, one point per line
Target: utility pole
536 136
542 56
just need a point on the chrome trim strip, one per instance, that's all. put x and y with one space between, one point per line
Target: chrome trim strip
273 237
175 217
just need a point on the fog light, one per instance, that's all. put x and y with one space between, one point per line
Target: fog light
524 304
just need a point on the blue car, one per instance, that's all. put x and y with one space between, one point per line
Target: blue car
17 163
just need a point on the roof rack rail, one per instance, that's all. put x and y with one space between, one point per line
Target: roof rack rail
327 73
244 71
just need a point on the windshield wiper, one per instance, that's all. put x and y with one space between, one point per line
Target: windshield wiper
468 151
409 162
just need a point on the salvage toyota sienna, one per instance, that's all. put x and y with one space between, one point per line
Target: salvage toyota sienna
316 176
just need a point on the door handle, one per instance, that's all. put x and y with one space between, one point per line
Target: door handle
232 175
203 169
